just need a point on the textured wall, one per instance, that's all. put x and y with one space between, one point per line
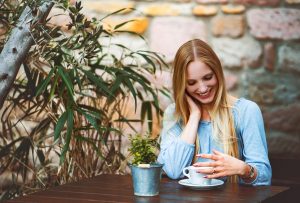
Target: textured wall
258 42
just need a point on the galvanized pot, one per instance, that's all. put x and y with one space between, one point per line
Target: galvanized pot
146 179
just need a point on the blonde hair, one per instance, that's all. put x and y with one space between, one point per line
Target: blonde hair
223 129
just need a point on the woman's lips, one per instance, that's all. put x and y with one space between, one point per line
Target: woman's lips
205 95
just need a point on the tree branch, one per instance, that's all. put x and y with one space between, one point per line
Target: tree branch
16 48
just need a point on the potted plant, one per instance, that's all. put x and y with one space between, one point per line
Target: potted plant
145 171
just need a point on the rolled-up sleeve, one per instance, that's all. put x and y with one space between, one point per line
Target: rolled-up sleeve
255 151
175 153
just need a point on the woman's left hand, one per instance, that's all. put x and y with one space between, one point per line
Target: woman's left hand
222 165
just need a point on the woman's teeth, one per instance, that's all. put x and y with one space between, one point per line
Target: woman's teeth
203 94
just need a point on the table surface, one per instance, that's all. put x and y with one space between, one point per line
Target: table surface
118 188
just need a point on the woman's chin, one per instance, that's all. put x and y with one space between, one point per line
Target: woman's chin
206 101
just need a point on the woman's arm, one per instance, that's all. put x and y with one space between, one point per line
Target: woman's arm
177 145
254 152
175 153
189 133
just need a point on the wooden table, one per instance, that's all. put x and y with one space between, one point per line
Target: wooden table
117 188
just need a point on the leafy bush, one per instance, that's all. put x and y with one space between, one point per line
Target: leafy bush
143 149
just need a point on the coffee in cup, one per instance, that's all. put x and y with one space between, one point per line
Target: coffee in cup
195 177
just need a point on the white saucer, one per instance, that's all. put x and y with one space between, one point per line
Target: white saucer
214 184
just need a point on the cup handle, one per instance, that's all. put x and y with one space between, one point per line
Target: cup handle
186 172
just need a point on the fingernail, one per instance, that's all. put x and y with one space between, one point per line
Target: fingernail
204 176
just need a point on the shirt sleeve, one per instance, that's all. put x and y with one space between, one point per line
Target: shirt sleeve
175 153
255 151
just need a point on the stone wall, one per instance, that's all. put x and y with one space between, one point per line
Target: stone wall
258 42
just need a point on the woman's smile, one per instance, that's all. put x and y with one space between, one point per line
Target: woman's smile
204 95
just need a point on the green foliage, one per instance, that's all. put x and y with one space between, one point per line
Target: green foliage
143 149
73 95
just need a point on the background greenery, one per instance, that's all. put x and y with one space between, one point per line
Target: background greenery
68 101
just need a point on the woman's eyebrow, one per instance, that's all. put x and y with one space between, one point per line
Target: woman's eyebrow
207 74
210 73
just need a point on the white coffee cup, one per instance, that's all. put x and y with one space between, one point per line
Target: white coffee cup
195 177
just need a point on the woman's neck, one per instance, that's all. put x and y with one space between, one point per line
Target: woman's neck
205 114
205 109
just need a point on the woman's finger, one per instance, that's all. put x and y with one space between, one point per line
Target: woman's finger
215 175
205 164
208 156
217 172
206 170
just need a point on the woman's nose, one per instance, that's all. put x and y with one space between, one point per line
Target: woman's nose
202 88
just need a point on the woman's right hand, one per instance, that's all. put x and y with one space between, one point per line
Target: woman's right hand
195 109
189 133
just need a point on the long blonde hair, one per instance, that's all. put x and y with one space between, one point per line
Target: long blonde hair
223 129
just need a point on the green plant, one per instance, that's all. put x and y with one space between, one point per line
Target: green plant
143 149
68 100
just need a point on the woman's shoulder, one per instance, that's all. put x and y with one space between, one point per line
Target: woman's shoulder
170 109
246 106
169 113
169 119
245 103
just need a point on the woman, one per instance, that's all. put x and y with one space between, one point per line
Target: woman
208 127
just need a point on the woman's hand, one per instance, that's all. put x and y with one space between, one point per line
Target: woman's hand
195 110
222 165
189 133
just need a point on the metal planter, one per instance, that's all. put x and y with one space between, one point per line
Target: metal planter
146 180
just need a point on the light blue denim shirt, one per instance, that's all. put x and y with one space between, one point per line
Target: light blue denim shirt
176 154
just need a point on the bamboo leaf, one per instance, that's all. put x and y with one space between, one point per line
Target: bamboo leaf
148 60
128 121
122 46
78 79
122 24
132 90
115 87
160 59
51 96
116 12
91 120
44 84
97 113
97 82
68 135
59 125
130 32
66 80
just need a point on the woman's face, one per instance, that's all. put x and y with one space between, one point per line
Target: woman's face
201 82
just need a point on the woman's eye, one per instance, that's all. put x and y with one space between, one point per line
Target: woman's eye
191 82
208 77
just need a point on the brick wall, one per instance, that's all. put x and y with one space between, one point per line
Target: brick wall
258 42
